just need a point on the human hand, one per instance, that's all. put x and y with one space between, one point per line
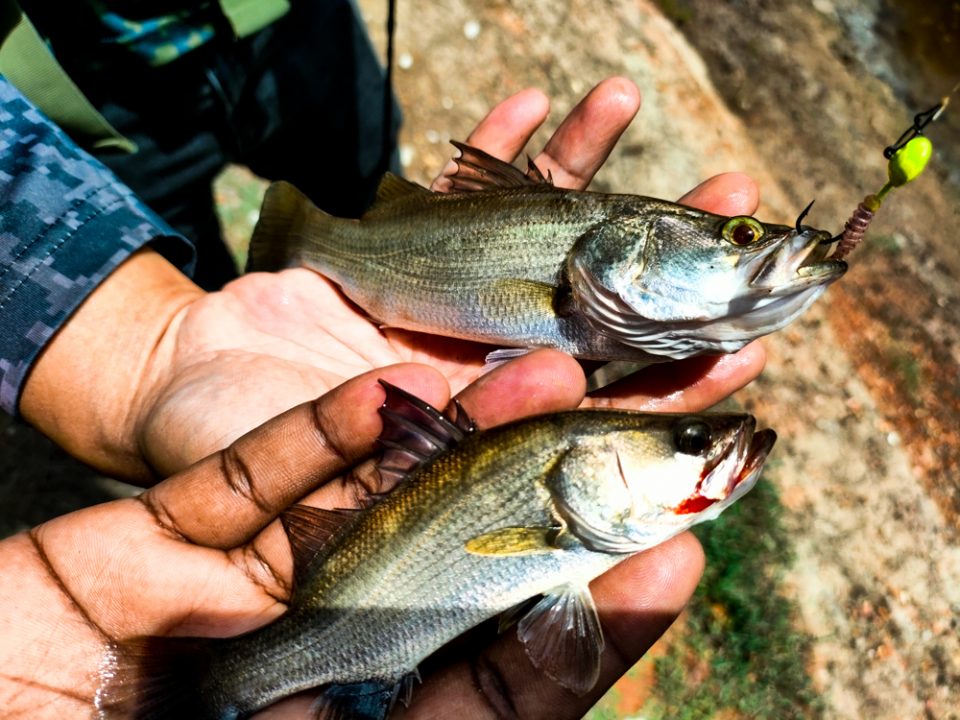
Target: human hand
152 374
204 554
270 341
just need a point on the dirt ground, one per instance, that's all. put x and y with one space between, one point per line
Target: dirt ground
863 390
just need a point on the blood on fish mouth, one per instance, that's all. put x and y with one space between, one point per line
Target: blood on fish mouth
754 456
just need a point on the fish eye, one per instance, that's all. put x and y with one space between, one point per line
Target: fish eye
692 436
742 230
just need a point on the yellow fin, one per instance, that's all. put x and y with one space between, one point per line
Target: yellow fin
510 541
531 297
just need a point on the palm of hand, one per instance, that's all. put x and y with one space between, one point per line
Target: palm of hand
267 342
203 554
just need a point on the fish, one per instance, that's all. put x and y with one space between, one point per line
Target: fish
509 259
511 522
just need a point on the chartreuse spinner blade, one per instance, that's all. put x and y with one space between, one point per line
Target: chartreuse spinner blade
907 157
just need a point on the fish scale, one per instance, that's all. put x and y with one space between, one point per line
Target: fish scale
537 507
510 260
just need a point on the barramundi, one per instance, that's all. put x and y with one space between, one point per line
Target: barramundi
509 259
479 523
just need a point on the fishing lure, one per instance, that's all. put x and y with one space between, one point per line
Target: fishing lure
907 157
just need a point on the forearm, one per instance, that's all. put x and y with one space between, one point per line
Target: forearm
88 387
49 654
78 294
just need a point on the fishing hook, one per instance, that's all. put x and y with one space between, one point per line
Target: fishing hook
802 215
857 224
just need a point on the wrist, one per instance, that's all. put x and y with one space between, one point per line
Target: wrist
90 387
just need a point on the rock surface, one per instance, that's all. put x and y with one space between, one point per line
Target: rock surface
864 389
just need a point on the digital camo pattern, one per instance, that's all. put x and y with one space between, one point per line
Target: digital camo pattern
157 40
66 222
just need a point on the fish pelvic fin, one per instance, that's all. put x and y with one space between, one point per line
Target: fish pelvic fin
561 635
612 372
502 356
288 227
158 678
368 700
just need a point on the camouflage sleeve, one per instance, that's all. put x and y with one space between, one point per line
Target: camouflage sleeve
66 222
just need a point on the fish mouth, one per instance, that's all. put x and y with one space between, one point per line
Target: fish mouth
733 471
759 447
798 263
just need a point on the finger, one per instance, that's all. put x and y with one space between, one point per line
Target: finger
505 131
688 385
544 381
227 498
725 194
541 382
587 135
637 601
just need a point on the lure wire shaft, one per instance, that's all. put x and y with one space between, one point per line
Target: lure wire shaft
856 226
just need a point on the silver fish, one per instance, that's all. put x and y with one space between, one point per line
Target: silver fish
511 260
480 523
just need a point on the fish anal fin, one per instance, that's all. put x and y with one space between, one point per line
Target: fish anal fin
414 432
561 635
512 541
478 171
311 532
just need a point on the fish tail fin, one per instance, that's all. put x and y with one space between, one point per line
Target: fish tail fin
156 678
289 225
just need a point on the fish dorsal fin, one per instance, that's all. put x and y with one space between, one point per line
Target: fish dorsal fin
414 432
562 637
393 187
477 170
312 533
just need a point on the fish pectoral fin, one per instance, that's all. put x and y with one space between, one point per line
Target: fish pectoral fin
414 432
512 296
512 541
562 637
